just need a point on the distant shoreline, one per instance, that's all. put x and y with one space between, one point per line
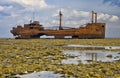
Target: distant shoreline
64 38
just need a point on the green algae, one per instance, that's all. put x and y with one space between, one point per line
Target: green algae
18 56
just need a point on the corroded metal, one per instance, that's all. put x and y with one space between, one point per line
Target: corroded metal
35 30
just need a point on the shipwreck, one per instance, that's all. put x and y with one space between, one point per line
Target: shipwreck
35 30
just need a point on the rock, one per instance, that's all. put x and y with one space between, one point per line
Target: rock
109 56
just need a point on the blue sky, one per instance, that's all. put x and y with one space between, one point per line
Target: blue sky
75 14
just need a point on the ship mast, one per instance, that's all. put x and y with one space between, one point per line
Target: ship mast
60 25
94 17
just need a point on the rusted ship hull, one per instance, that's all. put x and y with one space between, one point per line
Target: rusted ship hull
90 31
95 30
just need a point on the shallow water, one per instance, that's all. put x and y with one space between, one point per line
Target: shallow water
43 74
88 56
92 47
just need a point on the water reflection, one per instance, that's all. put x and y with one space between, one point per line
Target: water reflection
88 56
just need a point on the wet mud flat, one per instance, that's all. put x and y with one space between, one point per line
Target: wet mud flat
41 58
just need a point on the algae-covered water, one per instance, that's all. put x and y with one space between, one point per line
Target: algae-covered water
60 58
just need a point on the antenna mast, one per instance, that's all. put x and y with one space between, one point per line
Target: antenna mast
60 26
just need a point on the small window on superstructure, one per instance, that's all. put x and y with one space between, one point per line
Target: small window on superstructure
31 27
103 26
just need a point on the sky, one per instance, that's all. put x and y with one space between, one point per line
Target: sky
75 14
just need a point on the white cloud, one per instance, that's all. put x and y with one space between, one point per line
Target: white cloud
14 15
76 13
80 13
103 16
114 18
33 3
5 8
85 14
72 13
1 8
55 21
108 17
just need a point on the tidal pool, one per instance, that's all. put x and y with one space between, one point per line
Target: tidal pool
89 56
